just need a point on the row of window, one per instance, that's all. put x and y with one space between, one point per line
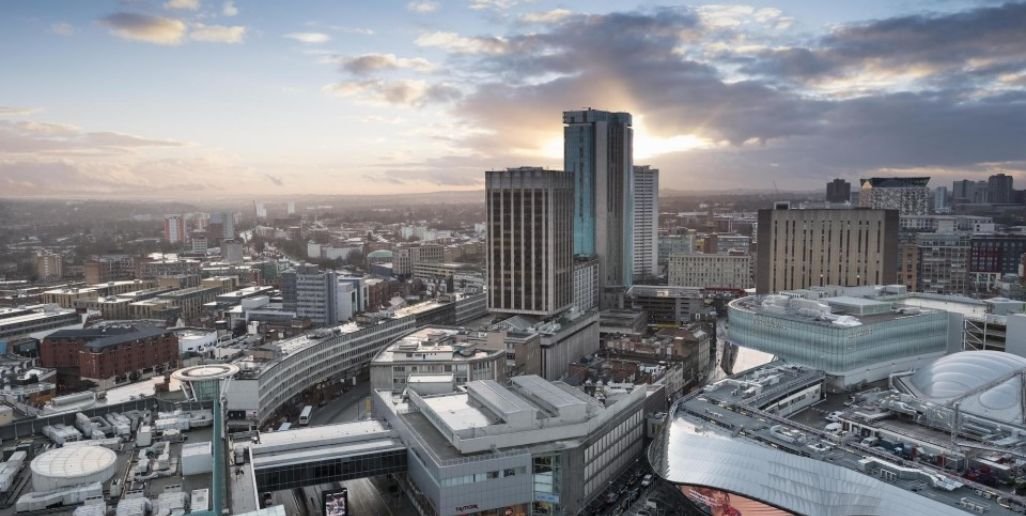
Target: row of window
482 477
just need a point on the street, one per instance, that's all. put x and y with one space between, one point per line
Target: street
345 408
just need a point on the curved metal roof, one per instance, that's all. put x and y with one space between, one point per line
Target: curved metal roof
982 382
380 253
689 454
953 375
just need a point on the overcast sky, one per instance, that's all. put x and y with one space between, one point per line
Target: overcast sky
190 98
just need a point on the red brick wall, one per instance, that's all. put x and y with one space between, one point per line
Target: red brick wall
59 352
128 357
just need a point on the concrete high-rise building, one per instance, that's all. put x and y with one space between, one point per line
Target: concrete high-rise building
838 190
999 189
965 191
530 249
312 293
49 265
941 202
199 242
232 251
908 195
586 281
291 208
805 248
174 229
646 221
221 227
598 151
943 262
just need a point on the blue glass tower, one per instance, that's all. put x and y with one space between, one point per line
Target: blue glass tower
598 152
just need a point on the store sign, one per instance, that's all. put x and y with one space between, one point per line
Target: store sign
467 508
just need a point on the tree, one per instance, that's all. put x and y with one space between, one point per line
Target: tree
356 259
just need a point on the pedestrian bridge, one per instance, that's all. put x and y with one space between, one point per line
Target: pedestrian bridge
323 454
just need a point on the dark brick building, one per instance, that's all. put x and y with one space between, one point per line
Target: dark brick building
109 355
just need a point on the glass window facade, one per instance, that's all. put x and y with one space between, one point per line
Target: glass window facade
335 470
838 349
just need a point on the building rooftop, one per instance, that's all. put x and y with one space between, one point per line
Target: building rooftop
33 313
736 441
489 415
106 336
837 312
894 182
435 343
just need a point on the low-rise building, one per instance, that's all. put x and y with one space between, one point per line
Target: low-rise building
564 338
668 305
190 301
111 354
533 447
279 372
711 270
26 320
449 355
852 339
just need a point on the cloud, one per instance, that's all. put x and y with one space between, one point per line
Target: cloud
406 92
370 63
355 30
718 16
545 17
15 111
144 27
455 43
495 5
978 43
757 129
422 6
62 29
190 5
429 176
32 137
229 9
310 38
217 33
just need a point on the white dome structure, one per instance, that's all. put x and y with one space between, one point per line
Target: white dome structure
72 466
984 383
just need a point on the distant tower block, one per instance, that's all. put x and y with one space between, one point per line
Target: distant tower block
205 382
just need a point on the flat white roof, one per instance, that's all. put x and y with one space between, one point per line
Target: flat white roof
458 414
546 391
316 434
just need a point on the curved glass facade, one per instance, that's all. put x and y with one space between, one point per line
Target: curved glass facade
837 349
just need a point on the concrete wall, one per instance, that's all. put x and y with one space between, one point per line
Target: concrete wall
1015 340
581 338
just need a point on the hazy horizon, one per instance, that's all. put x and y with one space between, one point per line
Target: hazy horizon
201 99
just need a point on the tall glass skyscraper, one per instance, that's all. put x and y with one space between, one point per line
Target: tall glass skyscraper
598 151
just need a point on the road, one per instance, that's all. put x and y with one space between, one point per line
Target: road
343 409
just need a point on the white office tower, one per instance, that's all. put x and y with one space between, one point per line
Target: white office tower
646 221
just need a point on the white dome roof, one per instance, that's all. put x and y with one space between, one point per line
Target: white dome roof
72 465
952 376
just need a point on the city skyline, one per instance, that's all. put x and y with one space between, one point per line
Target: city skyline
203 98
